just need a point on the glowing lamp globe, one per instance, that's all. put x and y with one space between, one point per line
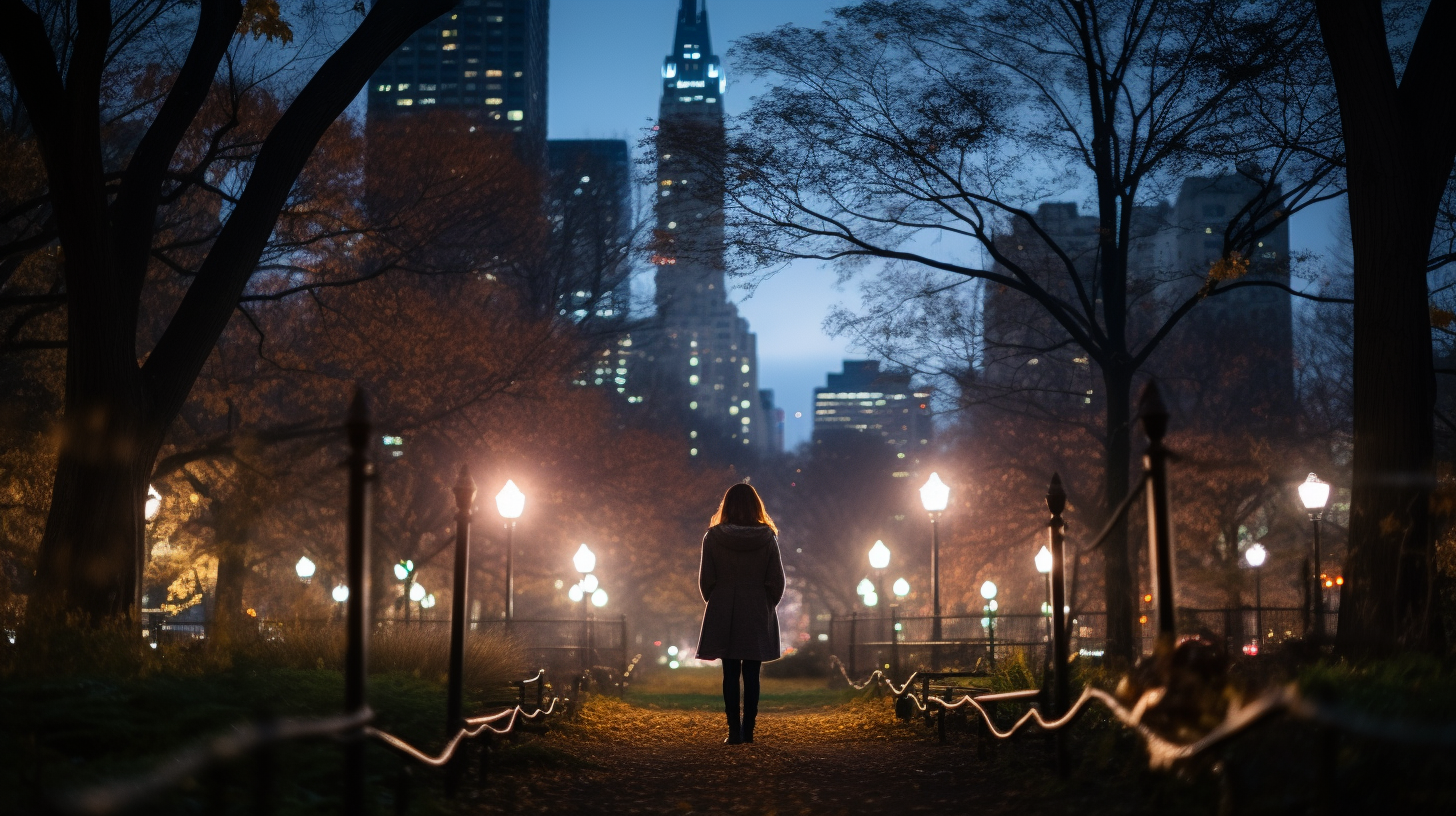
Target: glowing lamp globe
935 495
901 587
400 572
1255 555
417 592
510 501
153 505
871 599
879 555
988 590
1044 560
429 601
599 598
1314 493
340 593
589 583
865 587
305 568
575 593
584 560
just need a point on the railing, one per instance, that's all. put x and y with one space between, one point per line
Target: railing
353 728
1200 658
905 643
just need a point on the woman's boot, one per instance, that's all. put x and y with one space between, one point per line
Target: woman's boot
748 722
735 731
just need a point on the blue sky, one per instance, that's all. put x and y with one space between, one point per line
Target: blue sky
604 83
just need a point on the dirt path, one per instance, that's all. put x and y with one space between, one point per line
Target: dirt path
847 758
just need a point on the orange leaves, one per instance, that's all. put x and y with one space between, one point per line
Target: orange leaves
262 18
1442 318
1233 267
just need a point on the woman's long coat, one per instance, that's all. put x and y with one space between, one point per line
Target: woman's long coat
742 579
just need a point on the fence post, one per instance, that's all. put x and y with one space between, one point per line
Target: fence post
895 641
356 656
1154 416
624 643
454 720
853 621
1056 500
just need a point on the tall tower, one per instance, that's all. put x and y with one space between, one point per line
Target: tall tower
704 358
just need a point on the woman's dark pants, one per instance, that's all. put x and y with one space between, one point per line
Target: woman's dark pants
748 669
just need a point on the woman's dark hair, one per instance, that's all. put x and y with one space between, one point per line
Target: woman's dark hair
741 505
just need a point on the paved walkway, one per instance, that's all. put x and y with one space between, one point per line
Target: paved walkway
852 757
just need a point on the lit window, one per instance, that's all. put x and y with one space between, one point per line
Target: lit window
469 74
693 380
493 100
391 87
733 409
693 452
667 182
515 115
450 32
669 70
517 74
494 18
490 73
404 86
692 361
746 420
692 434
745 368
429 100
672 225
693 405
712 71
430 86
404 101
448 47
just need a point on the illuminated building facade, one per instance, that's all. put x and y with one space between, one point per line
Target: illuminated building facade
485 57
863 404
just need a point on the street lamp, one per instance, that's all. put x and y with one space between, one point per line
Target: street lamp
1315 494
934 497
988 591
901 587
585 561
417 592
404 570
510 502
305 569
599 598
1043 562
1255 555
340 593
879 555
153 505
865 587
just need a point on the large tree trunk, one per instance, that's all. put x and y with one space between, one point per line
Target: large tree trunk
116 414
233 523
1117 564
1399 147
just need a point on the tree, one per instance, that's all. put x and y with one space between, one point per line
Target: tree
918 131
1400 144
121 399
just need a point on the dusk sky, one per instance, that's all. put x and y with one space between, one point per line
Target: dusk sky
604 83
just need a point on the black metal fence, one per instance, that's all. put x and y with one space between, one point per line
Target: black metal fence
901 644
887 645
535 697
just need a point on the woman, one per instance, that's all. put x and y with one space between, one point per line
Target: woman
742 579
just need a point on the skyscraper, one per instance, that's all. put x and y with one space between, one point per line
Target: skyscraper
864 407
486 58
704 358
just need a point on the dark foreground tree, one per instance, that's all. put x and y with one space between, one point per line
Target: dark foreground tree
919 132
1400 143
120 399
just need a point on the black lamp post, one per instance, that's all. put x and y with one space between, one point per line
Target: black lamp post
1315 494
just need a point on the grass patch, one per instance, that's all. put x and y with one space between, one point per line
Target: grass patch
87 721
702 690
